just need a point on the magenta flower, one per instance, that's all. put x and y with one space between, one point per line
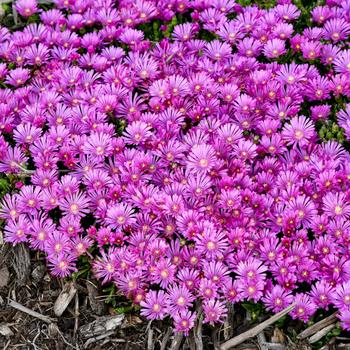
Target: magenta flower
304 308
120 215
180 298
274 48
321 294
18 76
277 299
184 321
62 265
214 311
202 158
251 269
164 273
345 319
336 205
75 205
341 296
299 132
17 231
155 305
26 8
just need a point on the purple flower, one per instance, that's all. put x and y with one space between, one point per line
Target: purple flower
120 215
214 311
277 299
17 231
336 29
26 8
184 321
299 132
344 317
336 205
274 48
155 305
180 298
164 273
17 77
75 205
61 265
304 308
341 296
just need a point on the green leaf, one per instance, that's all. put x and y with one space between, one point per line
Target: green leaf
255 309
4 184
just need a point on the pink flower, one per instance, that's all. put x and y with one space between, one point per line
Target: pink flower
26 8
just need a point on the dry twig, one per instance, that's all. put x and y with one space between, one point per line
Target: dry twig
256 330
76 314
166 339
176 343
320 334
30 312
318 326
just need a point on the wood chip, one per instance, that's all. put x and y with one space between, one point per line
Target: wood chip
64 299
278 336
320 334
343 347
166 338
97 306
229 321
21 263
101 326
4 276
262 341
38 273
131 321
102 337
15 14
177 340
5 330
318 326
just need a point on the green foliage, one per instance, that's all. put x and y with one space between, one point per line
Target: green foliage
255 309
331 131
84 268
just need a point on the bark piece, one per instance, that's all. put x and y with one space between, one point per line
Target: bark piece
38 273
21 263
97 306
228 325
101 326
320 334
278 336
64 299
4 276
177 340
5 330
166 339
318 326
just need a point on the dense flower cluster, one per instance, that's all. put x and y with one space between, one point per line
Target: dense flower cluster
194 165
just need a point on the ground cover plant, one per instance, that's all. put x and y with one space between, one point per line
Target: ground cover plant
189 153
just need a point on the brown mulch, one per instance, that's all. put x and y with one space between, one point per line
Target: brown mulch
24 279
80 319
